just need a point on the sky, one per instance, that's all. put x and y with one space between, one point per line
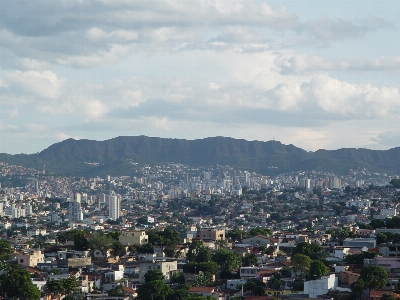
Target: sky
317 74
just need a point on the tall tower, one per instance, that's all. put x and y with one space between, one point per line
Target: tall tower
114 207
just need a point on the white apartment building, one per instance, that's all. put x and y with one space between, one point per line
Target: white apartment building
114 207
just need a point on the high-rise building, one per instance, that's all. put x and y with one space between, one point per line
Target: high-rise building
114 207
75 212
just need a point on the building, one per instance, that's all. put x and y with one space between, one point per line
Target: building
114 207
167 266
133 237
30 258
320 286
210 234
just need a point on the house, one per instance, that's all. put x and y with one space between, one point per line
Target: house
259 240
165 265
30 258
133 237
207 291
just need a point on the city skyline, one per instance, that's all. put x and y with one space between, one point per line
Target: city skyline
316 74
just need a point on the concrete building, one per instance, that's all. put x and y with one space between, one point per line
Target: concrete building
30 258
167 266
320 286
114 207
133 237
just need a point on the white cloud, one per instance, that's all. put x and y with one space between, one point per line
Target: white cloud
42 83
96 34
296 64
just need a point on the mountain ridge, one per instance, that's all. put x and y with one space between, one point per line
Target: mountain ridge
71 157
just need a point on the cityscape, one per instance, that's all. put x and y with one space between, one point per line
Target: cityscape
215 232
199 150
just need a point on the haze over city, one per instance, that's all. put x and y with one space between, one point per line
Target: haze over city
316 74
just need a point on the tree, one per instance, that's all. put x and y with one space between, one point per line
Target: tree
118 291
54 287
178 277
374 277
62 286
259 230
314 251
117 249
16 283
358 258
70 284
301 264
77 236
256 286
317 269
357 288
226 259
202 279
193 250
6 253
153 275
101 243
154 290
388 297
193 267
236 234
249 260
114 235
204 254
145 248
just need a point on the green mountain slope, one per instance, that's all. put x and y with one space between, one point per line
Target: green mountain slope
76 157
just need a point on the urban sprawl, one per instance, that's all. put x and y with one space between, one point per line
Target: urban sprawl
174 231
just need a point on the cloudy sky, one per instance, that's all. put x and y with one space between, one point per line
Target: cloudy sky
316 74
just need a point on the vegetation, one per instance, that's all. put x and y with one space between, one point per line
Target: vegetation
253 155
12 281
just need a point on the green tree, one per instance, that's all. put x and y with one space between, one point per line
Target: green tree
226 259
301 264
236 234
178 277
77 236
203 279
358 258
249 260
17 283
153 275
374 277
6 253
381 238
101 242
357 288
145 248
115 234
388 297
153 290
70 284
54 287
193 267
317 269
314 251
193 250
118 291
204 254
259 230
117 249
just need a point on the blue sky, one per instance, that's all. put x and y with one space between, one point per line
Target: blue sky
316 74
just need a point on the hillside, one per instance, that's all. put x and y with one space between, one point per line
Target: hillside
113 156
